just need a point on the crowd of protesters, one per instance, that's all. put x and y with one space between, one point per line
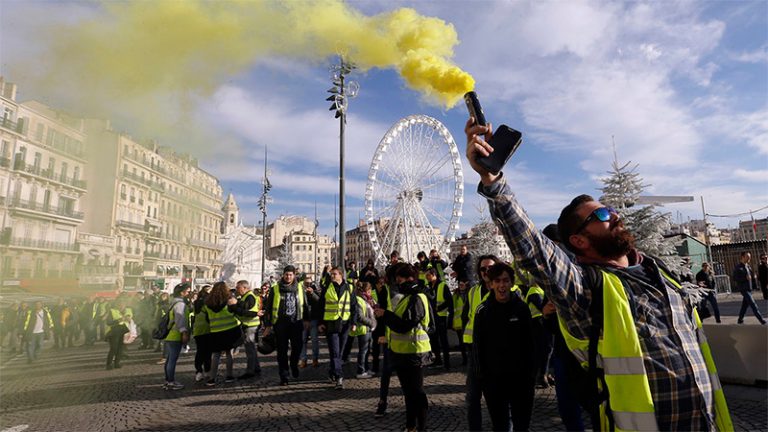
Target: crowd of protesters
398 318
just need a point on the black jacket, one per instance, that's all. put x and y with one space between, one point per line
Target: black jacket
339 291
462 265
412 316
285 292
504 350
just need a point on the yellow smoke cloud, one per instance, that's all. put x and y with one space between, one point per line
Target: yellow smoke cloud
139 53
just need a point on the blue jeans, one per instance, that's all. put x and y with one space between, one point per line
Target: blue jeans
173 348
311 333
363 342
34 342
336 343
748 301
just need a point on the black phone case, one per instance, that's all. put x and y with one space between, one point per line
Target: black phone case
505 142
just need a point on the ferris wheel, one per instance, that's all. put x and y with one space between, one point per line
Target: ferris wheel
415 189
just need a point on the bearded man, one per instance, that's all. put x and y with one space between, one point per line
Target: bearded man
625 317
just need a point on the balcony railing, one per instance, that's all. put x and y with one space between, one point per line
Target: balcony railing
143 180
129 225
48 174
45 208
43 244
7 123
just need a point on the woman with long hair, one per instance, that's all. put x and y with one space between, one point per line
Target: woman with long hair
201 331
224 327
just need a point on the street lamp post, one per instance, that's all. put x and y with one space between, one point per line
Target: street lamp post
340 95
263 201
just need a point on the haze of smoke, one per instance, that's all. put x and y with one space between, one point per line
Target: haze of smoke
156 62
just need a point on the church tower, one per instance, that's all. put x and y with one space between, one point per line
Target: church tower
231 214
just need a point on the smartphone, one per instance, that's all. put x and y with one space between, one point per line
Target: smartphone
505 140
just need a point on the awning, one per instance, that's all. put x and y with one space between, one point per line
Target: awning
202 268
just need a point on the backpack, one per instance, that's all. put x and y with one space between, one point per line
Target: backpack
164 325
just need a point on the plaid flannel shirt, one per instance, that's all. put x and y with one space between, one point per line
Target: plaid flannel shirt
680 385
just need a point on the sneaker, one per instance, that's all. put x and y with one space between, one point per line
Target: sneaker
340 384
364 375
161 361
381 410
211 382
174 386
199 377
332 379
302 364
229 379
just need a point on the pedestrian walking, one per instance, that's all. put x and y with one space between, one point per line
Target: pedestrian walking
409 342
315 316
37 328
201 331
287 314
762 275
226 333
476 295
117 326
441 301
504 353
338 320
706 279
362 333
745 281
248 311
657 368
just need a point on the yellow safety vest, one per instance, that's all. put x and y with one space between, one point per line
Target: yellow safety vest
620 353
532 290
46 314
458 306
175 334
360 329
300 294
474 301
222 320
441 299
336 307
252 321
415 341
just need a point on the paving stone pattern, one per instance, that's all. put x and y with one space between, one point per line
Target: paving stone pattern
70 390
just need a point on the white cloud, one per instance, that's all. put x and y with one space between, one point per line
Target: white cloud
759 55
760 176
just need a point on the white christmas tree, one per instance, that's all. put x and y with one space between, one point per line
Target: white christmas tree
621 190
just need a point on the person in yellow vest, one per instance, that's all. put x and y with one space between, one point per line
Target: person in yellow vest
117 325
37 327
477 294
535 298
441 301
248 311
626 318
363 329
439 264
409 341
178 335
422 264
287 314
339 317
225 330
459 300
380 296
201 331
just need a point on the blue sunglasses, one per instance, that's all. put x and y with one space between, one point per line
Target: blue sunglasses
603 214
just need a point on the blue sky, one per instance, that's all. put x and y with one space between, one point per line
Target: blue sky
682 88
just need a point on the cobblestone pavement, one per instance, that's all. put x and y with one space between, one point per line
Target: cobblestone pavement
70 390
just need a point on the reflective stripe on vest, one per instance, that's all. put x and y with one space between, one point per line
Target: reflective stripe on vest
474 301
533 290
416 340
252 321
300 294
360 329
441 299
336 307
222 320
620 355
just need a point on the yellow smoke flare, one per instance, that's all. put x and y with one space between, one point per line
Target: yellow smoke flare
139 50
